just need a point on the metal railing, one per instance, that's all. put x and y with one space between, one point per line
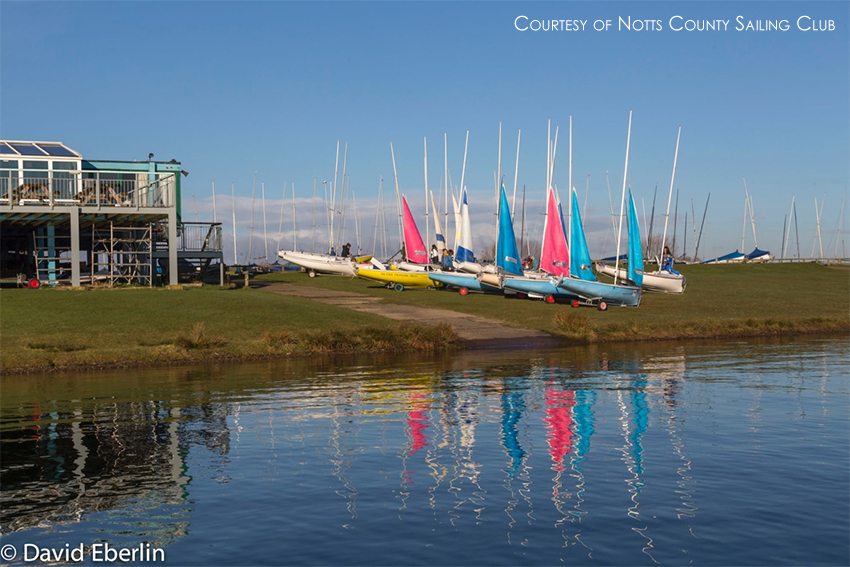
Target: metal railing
88 189
200 237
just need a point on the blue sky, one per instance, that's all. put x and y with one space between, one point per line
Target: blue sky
231 89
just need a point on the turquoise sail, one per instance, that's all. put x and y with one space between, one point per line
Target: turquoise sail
635 272
579 254
507 254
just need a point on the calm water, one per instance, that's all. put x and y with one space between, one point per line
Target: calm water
733 453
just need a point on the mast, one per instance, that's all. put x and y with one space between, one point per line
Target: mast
838 228
623 198
463 170
265 224
610 204
313 211
233 202
675 223
744 222
397 195
670 197
550 176
818 214
651 223
378 210
332 209
280 224
294 224
516 174
548 153
446 188
796 228
702 224
427 192
752 213
356 221
522 220
215 216
498 180
784 230
788 228
586 194
253 206
570 187
346 181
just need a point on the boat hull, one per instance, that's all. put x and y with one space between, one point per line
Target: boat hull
535 286
628 296
461 281
319 263
406 279
661 281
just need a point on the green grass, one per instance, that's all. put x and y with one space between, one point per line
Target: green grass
61 328
720 301
57 328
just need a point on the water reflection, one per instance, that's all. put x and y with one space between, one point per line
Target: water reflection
558 454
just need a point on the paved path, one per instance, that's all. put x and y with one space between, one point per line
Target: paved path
469 327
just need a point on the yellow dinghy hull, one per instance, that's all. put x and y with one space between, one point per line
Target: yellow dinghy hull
398 278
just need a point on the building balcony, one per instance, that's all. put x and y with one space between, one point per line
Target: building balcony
88 189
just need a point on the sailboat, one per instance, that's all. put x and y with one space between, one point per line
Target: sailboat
665 279
554 258
414 253
464 257
507 259
599 293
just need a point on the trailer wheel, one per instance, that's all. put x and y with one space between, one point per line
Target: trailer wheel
311 273
398 287
602 306
550 299
574 303
34 283
463 291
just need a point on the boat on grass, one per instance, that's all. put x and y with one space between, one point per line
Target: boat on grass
415 253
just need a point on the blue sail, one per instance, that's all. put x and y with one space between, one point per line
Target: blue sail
635 271
579 253
507 254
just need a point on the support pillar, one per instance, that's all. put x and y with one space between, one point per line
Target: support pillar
75 247
221 272
51 254
172 247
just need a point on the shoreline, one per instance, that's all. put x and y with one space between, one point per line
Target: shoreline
290 315
552 341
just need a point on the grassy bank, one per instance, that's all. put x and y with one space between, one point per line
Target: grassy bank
720 302
63 328
46 328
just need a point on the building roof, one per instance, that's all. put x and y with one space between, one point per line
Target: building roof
26 148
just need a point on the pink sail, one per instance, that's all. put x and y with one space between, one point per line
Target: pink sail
555 258
414 248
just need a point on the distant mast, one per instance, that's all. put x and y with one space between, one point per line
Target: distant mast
670 194
623 198
233 203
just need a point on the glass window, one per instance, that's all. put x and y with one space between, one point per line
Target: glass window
57 150
65 165
27 149
5 149
9 164
28 164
